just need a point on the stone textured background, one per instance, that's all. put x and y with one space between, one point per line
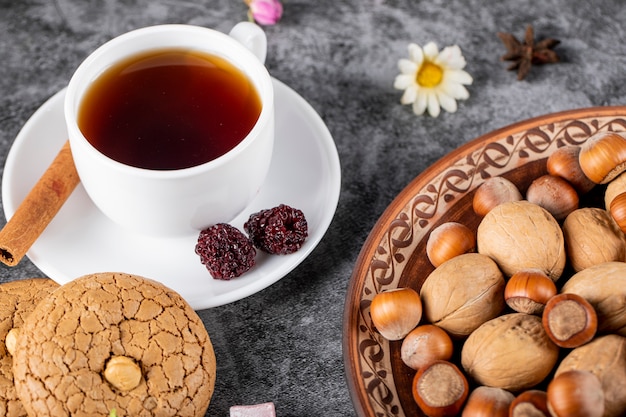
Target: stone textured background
284 344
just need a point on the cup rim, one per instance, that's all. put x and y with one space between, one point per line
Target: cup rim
71 104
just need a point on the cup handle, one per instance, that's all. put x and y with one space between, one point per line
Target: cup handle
252 37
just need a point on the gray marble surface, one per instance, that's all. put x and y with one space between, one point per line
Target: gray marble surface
284 344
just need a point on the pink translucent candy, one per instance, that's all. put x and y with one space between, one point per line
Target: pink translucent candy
258 410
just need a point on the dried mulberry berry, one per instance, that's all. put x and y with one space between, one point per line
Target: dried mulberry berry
279 230
225 251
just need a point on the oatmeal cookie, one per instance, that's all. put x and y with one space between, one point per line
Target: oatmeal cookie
114 341
19 299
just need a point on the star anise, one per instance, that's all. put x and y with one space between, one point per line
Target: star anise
526 54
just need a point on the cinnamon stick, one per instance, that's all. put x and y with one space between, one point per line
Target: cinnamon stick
39 207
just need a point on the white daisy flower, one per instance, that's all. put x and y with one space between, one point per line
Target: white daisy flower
433 80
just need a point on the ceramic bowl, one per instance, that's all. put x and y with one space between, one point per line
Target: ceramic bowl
394 254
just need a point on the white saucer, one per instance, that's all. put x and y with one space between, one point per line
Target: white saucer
305 174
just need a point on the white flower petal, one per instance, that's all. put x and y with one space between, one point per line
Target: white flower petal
403 81
458 76
447 103
433 105
451 57
454 90
416 54
419 105
431 51
407 67
463 93
410 94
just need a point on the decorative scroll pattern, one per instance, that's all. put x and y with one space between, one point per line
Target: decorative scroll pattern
413 223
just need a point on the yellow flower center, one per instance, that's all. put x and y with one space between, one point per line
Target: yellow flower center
429 74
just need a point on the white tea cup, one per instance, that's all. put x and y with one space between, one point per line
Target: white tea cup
181 201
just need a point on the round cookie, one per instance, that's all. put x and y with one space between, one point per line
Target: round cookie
65 353
19 299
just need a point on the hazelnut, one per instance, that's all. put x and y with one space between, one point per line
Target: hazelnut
396 312
493 192
528 291
123 373
576 394
449 240
592 237
11 340
463 293
512 352
425 344
488 402
531 403
618 210
604 287
553 194
521 235
603 156
440 389
614 188
604 357
564 163
569 320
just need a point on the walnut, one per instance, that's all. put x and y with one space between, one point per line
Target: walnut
604 286
605 357
520 235
592 237
463 293
512 352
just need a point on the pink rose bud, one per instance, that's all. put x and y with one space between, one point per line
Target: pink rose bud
266 12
